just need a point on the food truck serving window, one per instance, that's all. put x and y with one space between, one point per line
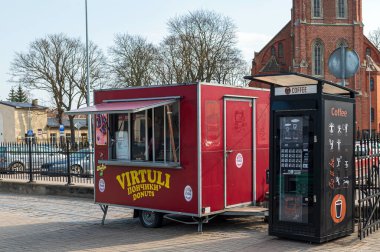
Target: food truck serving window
150 135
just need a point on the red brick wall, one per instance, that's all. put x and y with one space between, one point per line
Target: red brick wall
298 37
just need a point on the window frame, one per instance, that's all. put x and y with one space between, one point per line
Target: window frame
318 43
371 84
112 160
280 50
313 9
338 5
368 51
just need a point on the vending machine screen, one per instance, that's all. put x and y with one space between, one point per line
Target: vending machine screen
294 168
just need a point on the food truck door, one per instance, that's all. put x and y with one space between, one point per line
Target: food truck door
294 194
239 134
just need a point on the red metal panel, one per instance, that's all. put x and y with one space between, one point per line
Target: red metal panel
161 189
212 142
239 171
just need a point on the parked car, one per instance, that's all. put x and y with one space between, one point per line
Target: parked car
79 162
361 149
16 158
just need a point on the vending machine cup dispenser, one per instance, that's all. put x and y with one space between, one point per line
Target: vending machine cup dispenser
311 173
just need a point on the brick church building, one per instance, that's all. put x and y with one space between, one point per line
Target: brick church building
316 29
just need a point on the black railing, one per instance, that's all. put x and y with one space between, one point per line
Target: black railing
31 162
367 160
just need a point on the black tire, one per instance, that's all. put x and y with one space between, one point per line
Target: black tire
76 170
150 219
17 167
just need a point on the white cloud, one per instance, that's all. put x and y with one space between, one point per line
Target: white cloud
250 42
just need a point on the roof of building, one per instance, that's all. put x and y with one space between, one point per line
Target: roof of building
271 66
22 105
53 122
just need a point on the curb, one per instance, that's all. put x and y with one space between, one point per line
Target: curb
38 188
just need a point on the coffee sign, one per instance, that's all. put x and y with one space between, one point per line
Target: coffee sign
296 90
338 155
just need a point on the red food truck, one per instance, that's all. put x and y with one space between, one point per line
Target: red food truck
189 149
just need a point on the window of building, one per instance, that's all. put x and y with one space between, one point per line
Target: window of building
372 84
150 135
53 138
368 51
316 8
68 136
342 42
280 50
318 52
372 114
273 51
341 8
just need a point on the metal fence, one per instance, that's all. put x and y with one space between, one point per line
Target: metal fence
367 161
66 163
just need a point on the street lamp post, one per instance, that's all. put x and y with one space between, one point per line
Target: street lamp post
88 84
370 102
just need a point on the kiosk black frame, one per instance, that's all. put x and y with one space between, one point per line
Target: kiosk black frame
311 182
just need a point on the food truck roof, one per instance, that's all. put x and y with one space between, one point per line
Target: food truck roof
124 105
297 79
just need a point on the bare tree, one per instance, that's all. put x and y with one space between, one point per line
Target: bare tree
232 69
132 61
199 46
56 64
374 37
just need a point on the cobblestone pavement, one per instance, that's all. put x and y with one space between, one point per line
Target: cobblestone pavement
53 223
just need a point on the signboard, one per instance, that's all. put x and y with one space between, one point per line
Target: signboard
39 132
101 129
296 90
338 162
61 128
30 132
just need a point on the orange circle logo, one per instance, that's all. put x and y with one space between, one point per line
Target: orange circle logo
338 208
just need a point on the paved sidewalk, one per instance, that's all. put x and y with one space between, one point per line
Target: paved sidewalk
53 223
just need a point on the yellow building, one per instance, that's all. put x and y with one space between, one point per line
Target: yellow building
55 134
16 118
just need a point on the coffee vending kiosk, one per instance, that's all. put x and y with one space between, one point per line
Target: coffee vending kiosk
312 169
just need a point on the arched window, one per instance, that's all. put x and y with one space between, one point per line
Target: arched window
372 84
273 51
280 50
341 8
316 8
318 52
342 42
368 51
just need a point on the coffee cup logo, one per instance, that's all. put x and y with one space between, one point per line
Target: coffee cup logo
287 91
338 208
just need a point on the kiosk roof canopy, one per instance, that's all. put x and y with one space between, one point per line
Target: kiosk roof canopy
296 79
118 106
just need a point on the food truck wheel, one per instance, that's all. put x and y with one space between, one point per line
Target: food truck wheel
150 219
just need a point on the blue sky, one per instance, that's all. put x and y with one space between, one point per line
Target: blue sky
23 21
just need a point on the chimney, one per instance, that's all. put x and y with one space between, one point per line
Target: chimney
35 102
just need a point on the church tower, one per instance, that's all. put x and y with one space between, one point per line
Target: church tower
304 45
318 27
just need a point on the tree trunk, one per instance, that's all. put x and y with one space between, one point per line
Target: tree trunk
72 131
